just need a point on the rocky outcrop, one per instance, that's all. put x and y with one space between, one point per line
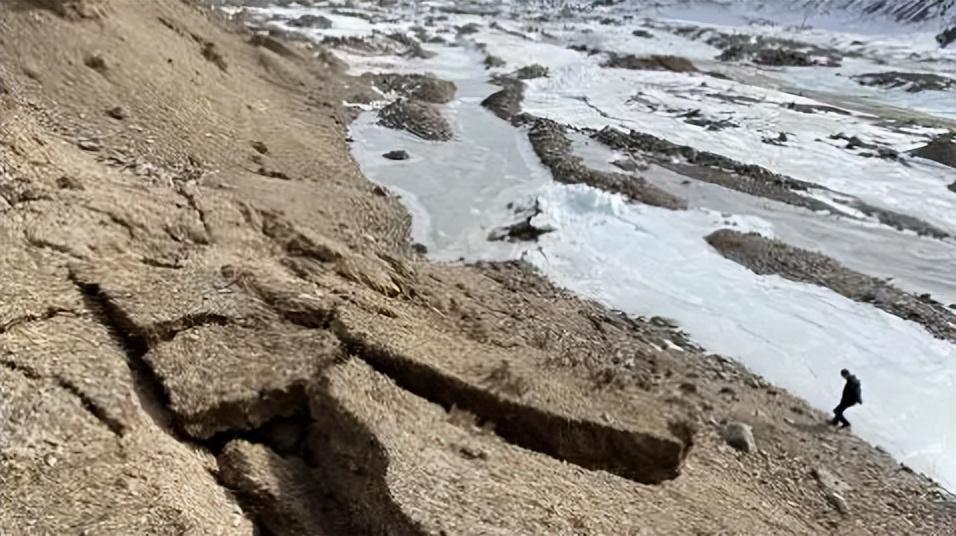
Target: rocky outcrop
550 142
766 256
419 118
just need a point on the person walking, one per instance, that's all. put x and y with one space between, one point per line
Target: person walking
852 395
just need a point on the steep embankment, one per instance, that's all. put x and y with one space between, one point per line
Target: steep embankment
212 323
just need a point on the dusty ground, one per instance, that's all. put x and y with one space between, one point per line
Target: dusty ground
213 324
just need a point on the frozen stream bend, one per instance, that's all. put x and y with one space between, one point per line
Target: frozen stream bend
649 261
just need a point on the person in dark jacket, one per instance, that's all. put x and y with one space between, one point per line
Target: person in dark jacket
852 395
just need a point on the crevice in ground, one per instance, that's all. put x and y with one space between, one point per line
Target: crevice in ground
193 202
152 396
115 426
634 455
49 313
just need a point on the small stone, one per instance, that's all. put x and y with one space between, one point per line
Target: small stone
838 502
117 112
396 155
89 145
260 147
67 182
739 436
95 62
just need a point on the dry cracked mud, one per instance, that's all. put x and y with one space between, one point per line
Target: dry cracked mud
214 324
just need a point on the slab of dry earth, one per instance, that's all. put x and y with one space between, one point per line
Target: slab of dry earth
213 324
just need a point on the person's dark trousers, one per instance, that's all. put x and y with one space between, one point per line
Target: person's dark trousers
838 417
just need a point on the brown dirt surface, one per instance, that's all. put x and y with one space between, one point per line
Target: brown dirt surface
188 253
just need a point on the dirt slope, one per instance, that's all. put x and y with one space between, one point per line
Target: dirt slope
213 324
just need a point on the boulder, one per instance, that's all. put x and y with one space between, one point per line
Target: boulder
396 155
739 436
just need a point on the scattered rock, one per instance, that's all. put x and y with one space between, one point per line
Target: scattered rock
654 62
838 502
69 182
260 147
95 62
739 436
912 82
419 118
117 112
642 33
396 155
89 145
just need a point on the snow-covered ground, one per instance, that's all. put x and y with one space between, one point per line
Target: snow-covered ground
650 261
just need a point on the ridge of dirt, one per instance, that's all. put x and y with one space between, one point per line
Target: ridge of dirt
190 255
768 256
551 144
750 178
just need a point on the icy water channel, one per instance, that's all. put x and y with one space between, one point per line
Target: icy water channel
650 261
